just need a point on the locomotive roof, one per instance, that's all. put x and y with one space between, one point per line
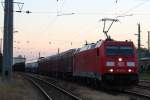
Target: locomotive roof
98 44
90 46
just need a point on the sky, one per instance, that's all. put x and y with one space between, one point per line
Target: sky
67 24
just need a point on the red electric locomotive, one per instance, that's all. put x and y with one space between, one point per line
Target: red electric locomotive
109 61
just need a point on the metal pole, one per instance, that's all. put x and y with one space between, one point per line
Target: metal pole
148 41
39 54
139 37
1 45
58 50
139 43
8 40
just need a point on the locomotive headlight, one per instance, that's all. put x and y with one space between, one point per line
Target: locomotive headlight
110 63
119 59
111 70
131 64
129 70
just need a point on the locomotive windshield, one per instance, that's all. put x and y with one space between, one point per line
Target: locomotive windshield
119 50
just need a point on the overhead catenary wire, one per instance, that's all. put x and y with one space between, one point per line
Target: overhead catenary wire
72 40
50 23
88 13
59 8
137 6
75 13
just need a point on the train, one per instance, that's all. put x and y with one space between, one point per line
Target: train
31 66
110 62
19 63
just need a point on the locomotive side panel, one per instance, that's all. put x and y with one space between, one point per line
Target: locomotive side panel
86 64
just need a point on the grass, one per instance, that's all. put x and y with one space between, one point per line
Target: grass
144 76
18 89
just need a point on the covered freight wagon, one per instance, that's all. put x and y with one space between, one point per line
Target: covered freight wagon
58 65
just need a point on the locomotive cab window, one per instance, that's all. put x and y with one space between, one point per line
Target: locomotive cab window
119 50
126 50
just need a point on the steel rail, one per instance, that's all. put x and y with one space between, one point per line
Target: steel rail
40 88
143 86
146 81
138 94
58 88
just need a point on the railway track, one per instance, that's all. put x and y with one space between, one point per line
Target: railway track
133 91
142 89
145 84
51 91
139 91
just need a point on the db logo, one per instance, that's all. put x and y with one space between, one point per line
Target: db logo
121 70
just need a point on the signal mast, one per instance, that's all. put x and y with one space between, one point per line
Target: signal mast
105 31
